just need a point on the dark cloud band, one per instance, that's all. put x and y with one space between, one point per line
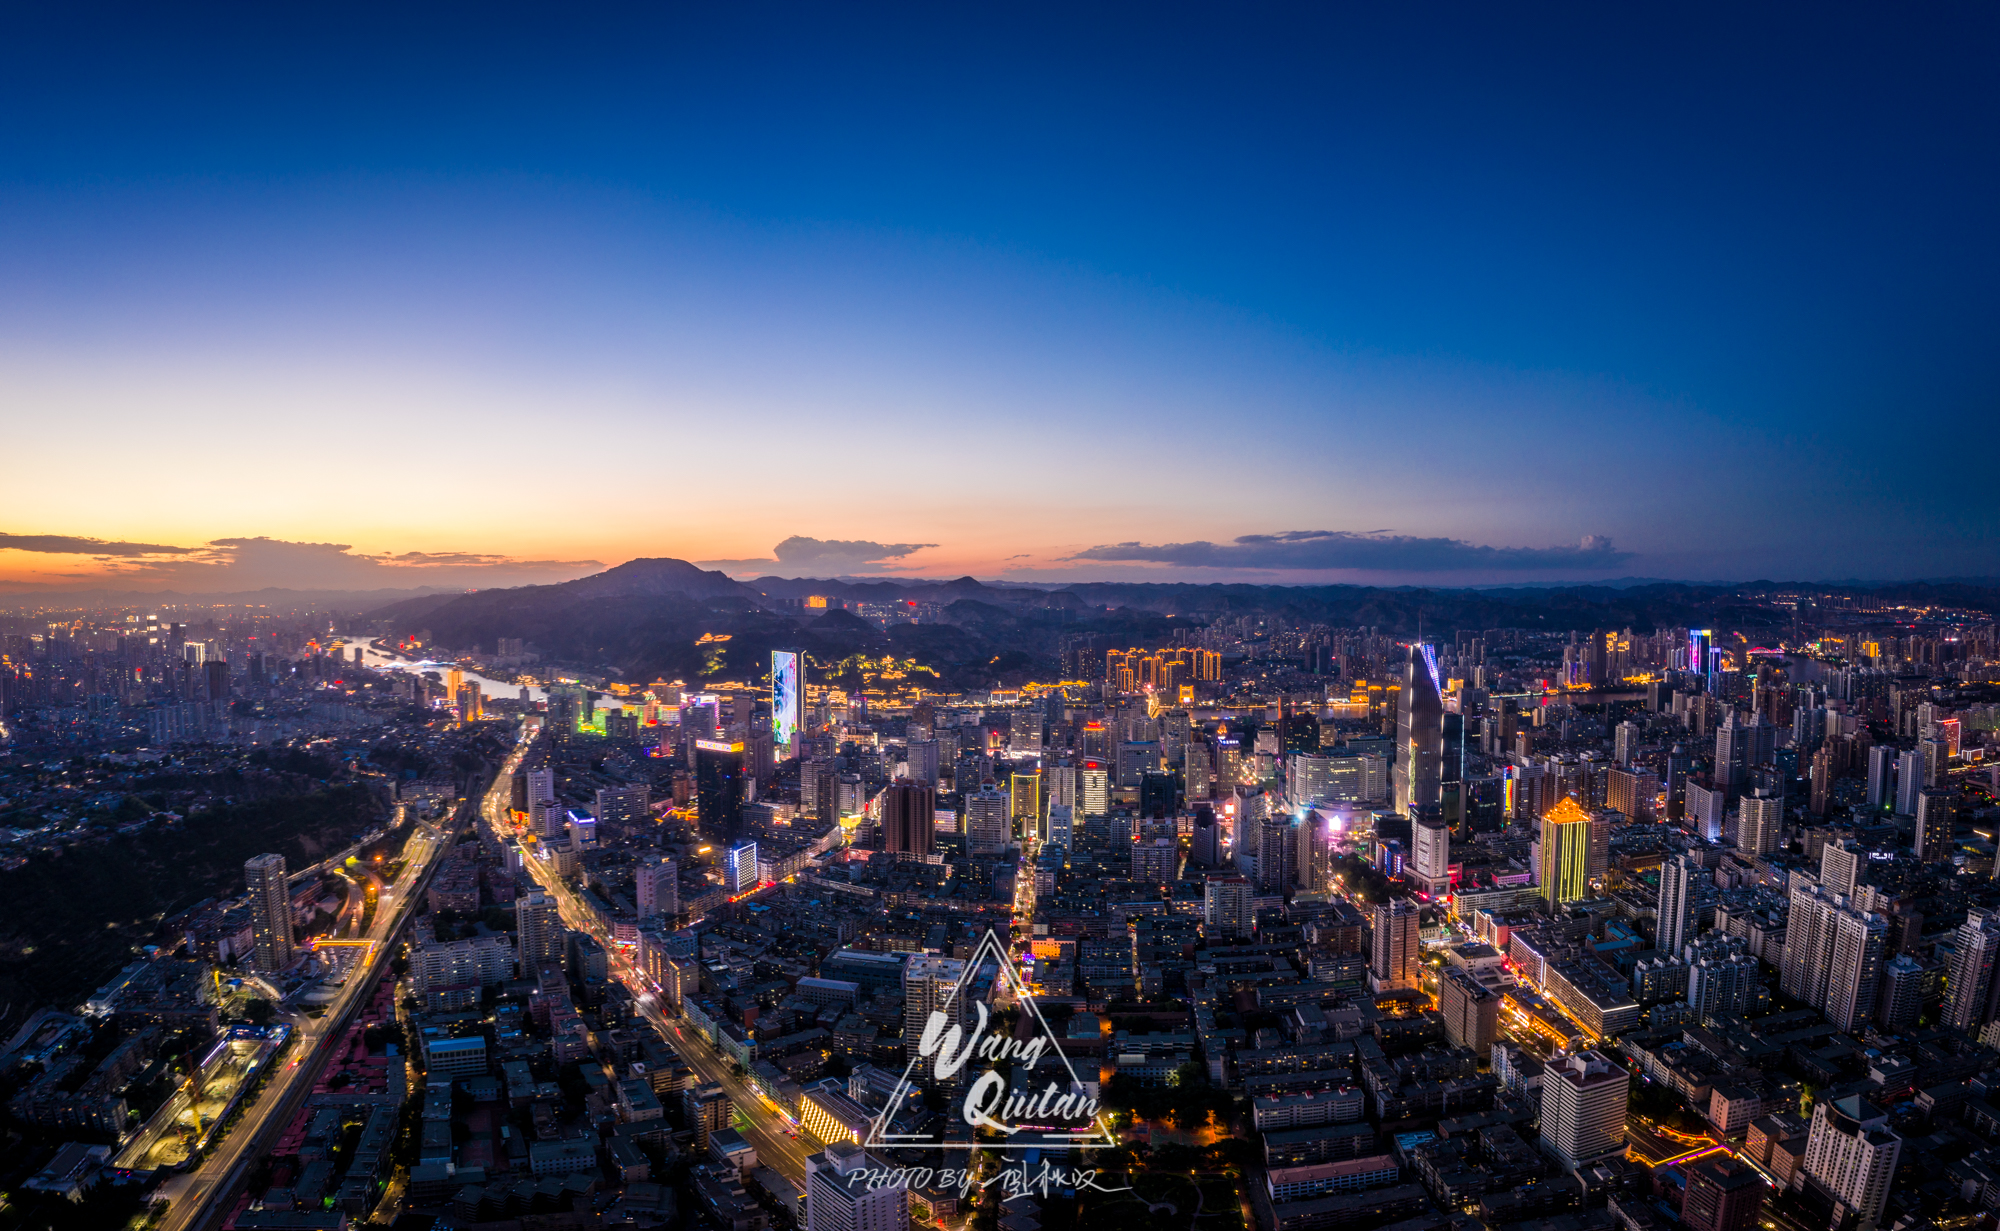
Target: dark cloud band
1303 550
71 545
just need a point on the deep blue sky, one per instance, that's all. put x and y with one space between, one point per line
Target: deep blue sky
1719 285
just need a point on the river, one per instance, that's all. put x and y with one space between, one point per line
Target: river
488 686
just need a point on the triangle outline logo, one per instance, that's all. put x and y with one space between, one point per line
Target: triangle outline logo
1099 1136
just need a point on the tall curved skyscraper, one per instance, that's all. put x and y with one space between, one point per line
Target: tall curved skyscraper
1419 736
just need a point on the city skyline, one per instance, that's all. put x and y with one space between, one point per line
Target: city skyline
1320 296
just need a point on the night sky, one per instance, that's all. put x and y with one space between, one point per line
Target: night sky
1415 293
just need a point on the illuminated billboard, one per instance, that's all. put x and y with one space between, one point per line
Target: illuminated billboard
787 696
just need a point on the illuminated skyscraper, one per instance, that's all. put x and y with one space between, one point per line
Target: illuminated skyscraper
1565 853
1024 802
270 912
1419 734
718 784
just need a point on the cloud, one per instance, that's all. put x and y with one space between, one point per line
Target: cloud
71 545
822 558
236 564
1374 551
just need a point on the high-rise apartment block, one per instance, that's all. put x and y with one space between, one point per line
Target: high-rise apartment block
538 931
270 912
1394 960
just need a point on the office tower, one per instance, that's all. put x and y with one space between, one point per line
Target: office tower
1024 802
538 931
1676 917
739 869
1722 1195
841 1197
1094 789
1851 1156
1904 985
1760 822
1854 978
1061 826
1732 753
1840 865
1909 781
922 760
987 831
1393 963
1471 1011
930 984
1625 743
1156 862
270 912
1935 840
657 888
1583 1108
1419 734
1228 907
1430 862
707 1108
718 786
1969 995
1565 853
909 818
622 811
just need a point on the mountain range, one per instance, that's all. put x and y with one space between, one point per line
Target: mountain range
662 617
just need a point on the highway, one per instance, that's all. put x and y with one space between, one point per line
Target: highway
207 1191
762 1125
